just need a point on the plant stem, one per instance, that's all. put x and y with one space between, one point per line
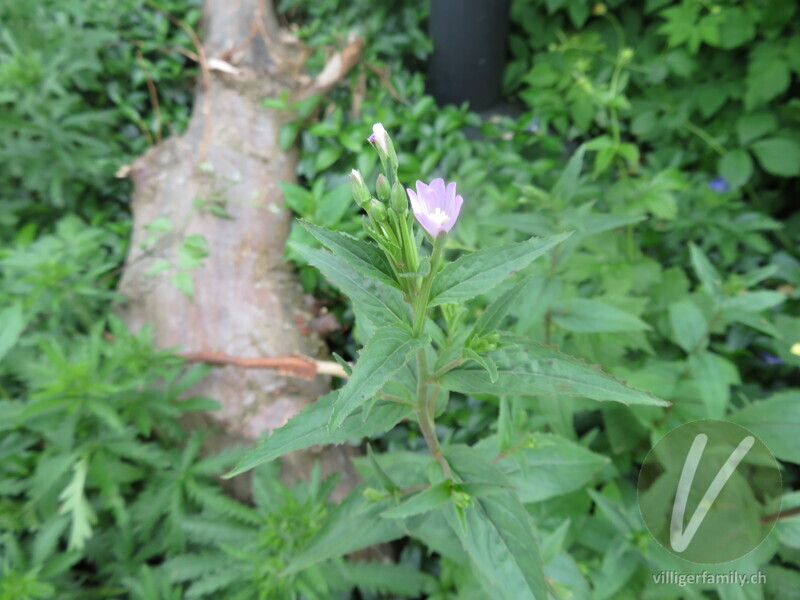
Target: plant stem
425 414
425 403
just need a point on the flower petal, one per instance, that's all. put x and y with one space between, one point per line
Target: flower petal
416 205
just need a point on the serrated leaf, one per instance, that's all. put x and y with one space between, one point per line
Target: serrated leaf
545 466
498 535
366 258
387 351
374 302
491 318
308 428
421 502
75 504
530 369
475 273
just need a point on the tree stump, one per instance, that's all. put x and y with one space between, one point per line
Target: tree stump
246 301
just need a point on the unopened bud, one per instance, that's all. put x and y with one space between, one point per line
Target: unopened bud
383 145
359 188
461 499
374 495
399 199
383 189
626 55
377 211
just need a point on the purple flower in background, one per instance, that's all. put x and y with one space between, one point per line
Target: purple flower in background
770 359
435 206
719 184
533 126
378 137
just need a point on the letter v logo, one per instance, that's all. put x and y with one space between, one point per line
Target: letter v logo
679 538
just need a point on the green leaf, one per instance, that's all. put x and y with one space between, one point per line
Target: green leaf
12 324
705 271
776 421
491 318
308 428
288 134
386 352
530 369
736 167
750 127
483 360
355 524
754 301
567 184
159 224
297 198
688 324
326 157
332 207
765 80
374 302
383 477
711 379
375 579
545 465
364 257
582 315
778 156
422 502
182 280
75 504
498 536
159 265
475 273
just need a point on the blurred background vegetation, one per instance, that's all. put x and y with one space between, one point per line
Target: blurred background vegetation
682 119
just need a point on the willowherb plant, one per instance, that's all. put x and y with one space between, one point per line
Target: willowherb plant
409 299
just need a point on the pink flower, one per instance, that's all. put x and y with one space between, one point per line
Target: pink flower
435 207
378 137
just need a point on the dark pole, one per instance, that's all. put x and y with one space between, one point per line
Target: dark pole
469 47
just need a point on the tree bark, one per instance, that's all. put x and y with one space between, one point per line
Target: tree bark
246 299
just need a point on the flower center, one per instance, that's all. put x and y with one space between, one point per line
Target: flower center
438 216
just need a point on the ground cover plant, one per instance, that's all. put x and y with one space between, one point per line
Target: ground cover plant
662 134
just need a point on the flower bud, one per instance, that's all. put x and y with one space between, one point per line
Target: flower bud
461 499
377 211
399 199
360 192
384 147
383 189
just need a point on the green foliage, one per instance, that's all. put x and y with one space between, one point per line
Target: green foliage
689 292
77 104
670 282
